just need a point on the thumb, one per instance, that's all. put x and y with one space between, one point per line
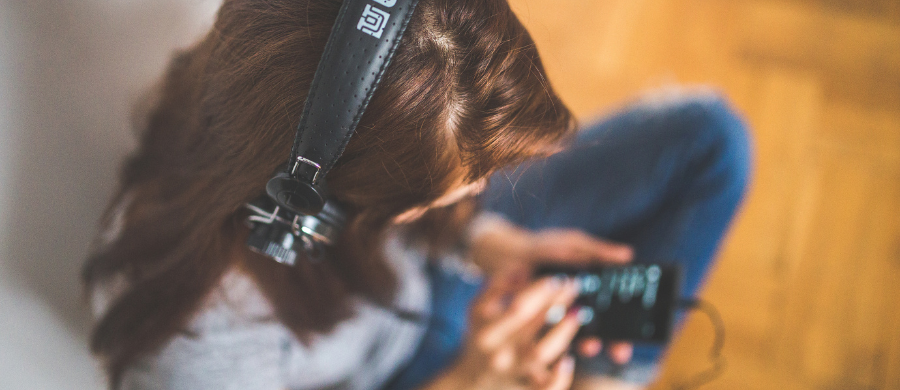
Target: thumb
611 251
577 246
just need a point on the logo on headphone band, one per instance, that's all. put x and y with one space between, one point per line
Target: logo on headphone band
373 20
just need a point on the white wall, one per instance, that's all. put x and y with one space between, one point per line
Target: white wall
69 73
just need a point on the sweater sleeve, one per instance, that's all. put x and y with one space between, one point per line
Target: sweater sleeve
249 358
233 342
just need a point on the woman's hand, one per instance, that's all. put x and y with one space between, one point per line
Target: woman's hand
505 348
499 246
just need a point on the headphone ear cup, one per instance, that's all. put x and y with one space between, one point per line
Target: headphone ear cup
295 195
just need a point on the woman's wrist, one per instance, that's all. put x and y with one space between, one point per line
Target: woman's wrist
493 242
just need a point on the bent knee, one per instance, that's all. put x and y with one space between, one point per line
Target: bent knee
729 140
716 135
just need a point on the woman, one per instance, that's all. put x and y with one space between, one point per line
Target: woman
184 304
464 96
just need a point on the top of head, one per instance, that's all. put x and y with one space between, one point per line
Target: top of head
363 40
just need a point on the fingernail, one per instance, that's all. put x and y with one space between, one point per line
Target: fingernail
590 348
558 281
575 285
556 314
583 314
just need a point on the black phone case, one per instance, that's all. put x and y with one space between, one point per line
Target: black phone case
633 303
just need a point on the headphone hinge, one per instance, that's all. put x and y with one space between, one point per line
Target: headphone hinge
304 160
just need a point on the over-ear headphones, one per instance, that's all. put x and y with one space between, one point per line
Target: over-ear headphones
297 210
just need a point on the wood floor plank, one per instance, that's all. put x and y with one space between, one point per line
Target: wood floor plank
859 54
884 10
816 37
875 290
865 129
891 339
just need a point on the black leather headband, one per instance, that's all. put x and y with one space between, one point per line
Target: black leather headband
363 40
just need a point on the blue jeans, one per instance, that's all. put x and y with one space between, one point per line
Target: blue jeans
665 175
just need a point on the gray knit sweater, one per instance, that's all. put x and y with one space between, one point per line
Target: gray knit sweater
237 344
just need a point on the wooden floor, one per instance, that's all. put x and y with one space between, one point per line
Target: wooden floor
809 278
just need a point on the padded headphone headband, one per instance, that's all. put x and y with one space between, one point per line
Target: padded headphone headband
363 40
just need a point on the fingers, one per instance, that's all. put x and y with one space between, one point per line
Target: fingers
562 374
621 353
589 347
557 309
490 303
609 251
556 342
551 346
577 246
531 302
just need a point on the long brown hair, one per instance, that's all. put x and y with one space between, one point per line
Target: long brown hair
466 94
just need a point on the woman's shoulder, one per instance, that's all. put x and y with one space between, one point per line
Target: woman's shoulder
235 302
236 338
233 341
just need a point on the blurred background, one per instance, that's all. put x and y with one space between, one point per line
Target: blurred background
807 280
70 72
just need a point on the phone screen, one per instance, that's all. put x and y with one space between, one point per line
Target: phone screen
632 303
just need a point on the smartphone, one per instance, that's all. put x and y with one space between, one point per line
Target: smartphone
634 303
